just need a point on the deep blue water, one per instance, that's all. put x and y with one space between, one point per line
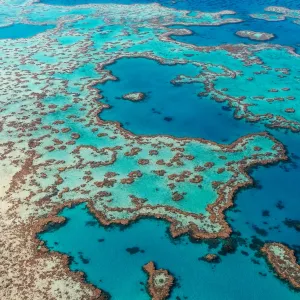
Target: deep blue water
246 6
167 109
104 255
273 185
19 30
286 33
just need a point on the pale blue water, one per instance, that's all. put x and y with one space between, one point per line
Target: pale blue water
19 30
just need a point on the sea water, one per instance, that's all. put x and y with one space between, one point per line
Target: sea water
112 257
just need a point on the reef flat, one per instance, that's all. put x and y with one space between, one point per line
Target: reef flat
159 282
278 13
56 150
284 262
257 36
136 96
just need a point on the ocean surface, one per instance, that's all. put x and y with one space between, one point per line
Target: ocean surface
105 255
286 33
19 30
167 109
243 7
112 257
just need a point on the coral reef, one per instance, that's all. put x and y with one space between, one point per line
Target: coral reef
283 260
138 96
256 36
159 281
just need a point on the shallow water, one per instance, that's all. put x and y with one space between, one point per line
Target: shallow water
258 216
103 253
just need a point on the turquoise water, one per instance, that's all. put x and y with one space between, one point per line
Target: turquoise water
17 31
258 216
247 6
103 254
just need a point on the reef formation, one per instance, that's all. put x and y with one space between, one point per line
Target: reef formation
159 282
138 96
278 13
283 260
56 151
256 36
